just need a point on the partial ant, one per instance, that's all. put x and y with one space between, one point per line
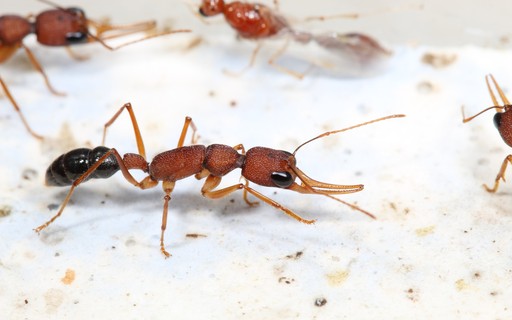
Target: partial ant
263 166
502 121
256 21
60 27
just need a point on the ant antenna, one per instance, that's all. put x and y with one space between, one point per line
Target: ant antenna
506 103
53 4
325 134
464 119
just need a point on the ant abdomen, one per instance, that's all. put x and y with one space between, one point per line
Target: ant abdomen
72 165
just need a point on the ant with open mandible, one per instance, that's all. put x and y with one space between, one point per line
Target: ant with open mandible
256 21
502 121
60 27
263 166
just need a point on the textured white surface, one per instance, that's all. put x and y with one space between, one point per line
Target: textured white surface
439 249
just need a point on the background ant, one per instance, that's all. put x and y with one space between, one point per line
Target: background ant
256 21
260 165
502 121
56 28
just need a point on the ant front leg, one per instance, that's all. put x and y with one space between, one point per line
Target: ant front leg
500 176
18 110
76 56
213 181
39 68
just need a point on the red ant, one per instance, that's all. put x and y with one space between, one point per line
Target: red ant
256 21
263 166
502 121
60 27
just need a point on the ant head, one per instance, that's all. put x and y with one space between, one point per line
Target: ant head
276 168
211 7
502 121
61 27
269 167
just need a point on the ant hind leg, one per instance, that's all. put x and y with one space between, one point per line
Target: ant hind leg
18 110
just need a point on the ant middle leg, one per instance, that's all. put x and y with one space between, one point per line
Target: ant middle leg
213 181
168 187
18 110
500 176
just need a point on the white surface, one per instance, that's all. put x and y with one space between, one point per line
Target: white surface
439 249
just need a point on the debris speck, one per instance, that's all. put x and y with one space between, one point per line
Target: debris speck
439 60
320 302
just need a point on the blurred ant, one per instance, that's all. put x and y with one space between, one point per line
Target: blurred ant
502 121
256 21
60 27
263 166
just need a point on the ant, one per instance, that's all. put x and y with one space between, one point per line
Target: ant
263 166
502 121
255 21
60 27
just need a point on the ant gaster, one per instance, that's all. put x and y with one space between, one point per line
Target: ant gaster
263 166
503 122
60 27
256 21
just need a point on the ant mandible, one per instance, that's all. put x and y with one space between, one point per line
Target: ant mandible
257 21
502 121
263 166
60 27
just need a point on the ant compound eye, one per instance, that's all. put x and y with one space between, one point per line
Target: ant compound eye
497 120
76 37
282 179
211 7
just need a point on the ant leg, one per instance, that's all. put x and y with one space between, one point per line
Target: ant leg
120 30
144 184
240 147
501 175
100 40
251 62
246 199
276 55
39 68
75 55
168 187
18 110
212 182
136 130
188 123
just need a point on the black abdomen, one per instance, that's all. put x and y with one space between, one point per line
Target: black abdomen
70 166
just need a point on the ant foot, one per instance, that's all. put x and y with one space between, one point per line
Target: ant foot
165 253
491 190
